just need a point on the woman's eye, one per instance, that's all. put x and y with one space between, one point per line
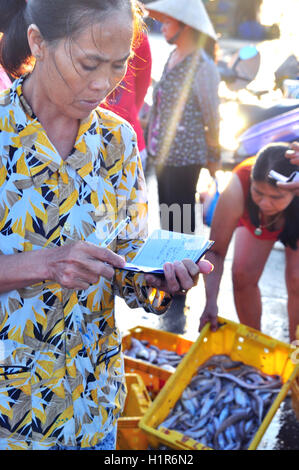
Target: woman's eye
88 68
120 66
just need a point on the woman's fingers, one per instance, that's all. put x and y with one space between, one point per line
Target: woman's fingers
80 264
205 266
192 267
171 280
104 255
180 276
209 315
293 187
293 153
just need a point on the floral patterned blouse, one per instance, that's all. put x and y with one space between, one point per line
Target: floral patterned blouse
183 126
61 370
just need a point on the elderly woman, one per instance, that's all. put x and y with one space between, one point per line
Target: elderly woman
260 212
69 174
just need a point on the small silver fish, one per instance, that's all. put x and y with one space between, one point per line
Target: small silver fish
224 408
142 349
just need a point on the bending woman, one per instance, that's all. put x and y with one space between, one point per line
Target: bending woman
260 212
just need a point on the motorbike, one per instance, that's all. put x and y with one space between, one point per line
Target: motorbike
261 122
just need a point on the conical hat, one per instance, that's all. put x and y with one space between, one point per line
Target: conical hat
189 12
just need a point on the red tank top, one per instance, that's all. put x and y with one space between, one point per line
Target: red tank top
243 171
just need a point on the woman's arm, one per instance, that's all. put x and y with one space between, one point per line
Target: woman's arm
229 209
73 266
21 270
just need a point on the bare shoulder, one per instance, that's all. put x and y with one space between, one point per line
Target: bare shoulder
233 195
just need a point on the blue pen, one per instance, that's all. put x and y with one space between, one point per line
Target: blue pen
115 232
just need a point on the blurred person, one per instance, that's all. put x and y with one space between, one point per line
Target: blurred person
70 171
127 98
183 128
5 81
259 212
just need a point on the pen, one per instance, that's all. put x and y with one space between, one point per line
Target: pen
115 232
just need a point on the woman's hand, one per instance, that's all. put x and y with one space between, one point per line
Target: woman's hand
293 156
213 167
293 153
80 264
293 187
209 315
179 276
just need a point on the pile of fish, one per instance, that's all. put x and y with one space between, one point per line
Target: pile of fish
224 404
164 358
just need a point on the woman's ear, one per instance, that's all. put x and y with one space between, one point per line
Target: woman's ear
36 41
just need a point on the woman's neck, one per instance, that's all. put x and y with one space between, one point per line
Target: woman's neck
274 222
185 45
61 130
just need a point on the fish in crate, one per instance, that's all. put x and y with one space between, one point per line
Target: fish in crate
164 358
224 404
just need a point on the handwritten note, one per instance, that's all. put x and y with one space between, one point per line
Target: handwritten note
163 246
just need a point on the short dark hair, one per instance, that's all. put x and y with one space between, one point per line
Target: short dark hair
55 19
272 157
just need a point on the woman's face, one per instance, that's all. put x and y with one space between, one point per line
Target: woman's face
170 28
79 73
270 199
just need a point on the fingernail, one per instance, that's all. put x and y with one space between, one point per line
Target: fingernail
211 268
166 267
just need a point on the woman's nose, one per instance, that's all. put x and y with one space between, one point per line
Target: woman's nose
265 204
101 83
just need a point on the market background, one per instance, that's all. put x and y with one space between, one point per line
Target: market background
283 432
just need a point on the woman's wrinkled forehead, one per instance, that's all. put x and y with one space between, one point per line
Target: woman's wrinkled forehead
112 38
79 23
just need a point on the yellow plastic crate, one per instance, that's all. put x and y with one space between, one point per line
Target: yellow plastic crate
138 401
239 342
153 376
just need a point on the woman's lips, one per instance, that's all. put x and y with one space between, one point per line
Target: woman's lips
90 104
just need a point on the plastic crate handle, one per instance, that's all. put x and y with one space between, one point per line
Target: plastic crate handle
250 334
